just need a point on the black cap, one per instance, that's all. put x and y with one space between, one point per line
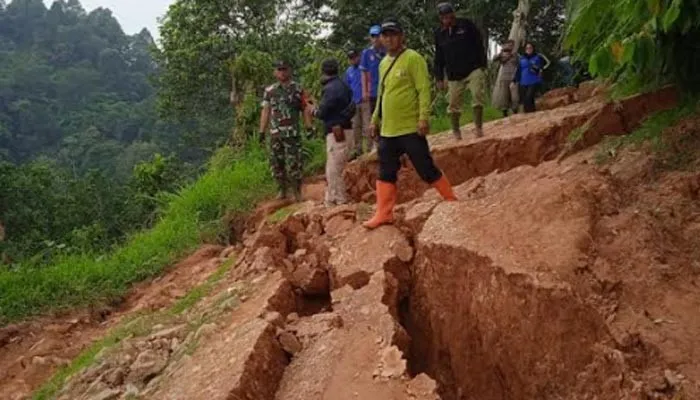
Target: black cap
391 25
445 8
330 67
352 53
281 64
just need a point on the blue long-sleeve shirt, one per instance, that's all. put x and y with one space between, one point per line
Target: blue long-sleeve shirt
353 77
529 69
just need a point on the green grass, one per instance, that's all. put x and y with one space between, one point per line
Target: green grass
232 184
198 293
314 156
441 122
136 326
281 214
674 155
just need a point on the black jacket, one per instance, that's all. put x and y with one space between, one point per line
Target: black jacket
336 106
459 50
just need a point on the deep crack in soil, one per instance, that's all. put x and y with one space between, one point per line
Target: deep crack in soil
547 280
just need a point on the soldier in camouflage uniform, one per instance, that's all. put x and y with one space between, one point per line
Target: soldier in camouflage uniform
283 102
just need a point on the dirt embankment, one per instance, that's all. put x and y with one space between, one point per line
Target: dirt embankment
548 280
562 281
523 139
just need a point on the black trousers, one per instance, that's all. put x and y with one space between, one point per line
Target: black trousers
527 96
416 147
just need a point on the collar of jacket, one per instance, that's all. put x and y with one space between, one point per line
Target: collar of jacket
325 79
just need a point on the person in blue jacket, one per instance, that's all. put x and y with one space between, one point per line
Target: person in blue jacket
369 65
353 77
529 76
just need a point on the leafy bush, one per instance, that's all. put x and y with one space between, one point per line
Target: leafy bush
193 215
640 44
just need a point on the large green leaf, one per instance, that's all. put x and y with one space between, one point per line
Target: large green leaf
671 15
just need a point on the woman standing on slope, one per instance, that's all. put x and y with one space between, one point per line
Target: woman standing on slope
505 94
529 76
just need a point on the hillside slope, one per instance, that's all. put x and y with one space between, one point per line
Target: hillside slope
551 278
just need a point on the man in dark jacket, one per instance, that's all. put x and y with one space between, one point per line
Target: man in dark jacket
460 54
336 110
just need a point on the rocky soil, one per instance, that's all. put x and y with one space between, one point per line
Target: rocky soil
552 277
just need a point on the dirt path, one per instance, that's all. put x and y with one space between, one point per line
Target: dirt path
31 352
317 308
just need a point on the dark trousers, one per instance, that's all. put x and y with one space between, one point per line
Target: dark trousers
416 147
527 97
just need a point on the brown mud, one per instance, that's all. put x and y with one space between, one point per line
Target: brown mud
552 277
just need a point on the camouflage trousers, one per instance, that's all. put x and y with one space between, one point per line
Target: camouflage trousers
286 159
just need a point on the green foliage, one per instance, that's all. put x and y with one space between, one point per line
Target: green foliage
440 120
74 87
200 41
672 151
49 212
314 151
191 216
637 44
351 19
282 214
77 115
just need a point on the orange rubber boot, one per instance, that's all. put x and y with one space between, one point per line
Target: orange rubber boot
444 187
386 199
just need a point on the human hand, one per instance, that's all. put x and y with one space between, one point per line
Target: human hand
423 128
373 131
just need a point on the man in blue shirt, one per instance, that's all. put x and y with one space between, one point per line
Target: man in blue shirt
353 77
369 64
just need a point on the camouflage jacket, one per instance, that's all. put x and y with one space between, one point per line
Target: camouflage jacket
286 104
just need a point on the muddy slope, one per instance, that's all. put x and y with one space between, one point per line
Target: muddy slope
548 280
562 281
523 139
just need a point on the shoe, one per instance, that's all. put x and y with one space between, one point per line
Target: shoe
444 187
386 199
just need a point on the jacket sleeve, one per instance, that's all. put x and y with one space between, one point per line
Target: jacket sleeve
324 105
421 78
329 101
439 68
364 60
518 72
479 46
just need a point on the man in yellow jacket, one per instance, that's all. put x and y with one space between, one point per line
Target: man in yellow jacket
403 109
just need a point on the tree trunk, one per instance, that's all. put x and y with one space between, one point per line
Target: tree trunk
518 31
